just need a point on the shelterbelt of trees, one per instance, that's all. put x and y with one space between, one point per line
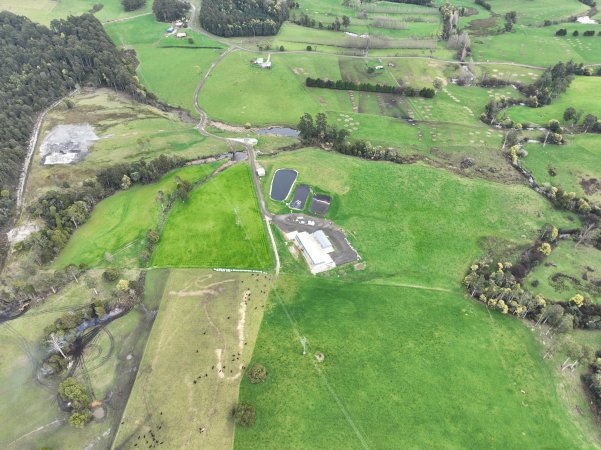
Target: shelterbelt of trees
40 65
243 17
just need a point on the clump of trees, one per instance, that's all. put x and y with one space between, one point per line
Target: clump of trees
169 10
511 19
487 6
230 18
257 373
408 91
450 20
77 399
305 21
132 5
318 132
553 82
245 415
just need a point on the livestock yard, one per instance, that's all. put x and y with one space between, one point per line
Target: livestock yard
311 224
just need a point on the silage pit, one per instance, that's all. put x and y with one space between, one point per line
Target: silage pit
67 144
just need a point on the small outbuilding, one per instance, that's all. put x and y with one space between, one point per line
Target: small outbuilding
181 35
260 171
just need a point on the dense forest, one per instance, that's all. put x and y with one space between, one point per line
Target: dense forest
243 17
40 65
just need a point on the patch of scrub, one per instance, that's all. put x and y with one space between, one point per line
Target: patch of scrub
67 144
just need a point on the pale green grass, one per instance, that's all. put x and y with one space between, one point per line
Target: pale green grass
128 131
179 388
539 46
44 11
218 226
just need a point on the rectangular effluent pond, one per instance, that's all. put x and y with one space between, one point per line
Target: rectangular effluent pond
320 204
281 184
300 197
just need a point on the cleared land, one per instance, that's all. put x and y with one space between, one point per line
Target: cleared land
119 224
218 226
167 69
568 271
393 230
403 368
127 131
44 11
575 167
200 344
539 46
580 95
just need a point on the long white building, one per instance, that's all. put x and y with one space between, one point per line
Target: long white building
315 248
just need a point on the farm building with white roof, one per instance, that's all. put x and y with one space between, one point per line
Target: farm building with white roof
315 250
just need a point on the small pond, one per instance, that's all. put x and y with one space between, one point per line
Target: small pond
279 131
300 197
282 183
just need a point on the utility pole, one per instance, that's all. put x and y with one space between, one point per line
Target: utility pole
303 341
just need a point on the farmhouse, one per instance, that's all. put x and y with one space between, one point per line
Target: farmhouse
315 250
263 63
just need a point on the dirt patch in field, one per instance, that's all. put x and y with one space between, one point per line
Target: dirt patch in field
67 144
591 186
482 26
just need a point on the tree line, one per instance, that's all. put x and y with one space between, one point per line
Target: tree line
169 10
40 65
229 18
588 33
343 85
305 21
317 132
64 210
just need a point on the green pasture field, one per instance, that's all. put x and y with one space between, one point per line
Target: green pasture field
539 46
218 226
44 11
128 131
392 228
171 73
535 12
577 165
563 273
203 320
404 367
119 223
509 72
263 97
582 95
29 411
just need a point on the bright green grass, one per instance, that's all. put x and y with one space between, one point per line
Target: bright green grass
171 73
387 210
218 226
181 350
583 94
573 163
119 223
404 368
44 11
573 261
539 46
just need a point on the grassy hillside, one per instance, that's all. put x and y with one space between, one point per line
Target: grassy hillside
119 223
404 367
218 226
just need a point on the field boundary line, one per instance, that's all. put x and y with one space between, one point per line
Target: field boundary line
412 286
323 376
